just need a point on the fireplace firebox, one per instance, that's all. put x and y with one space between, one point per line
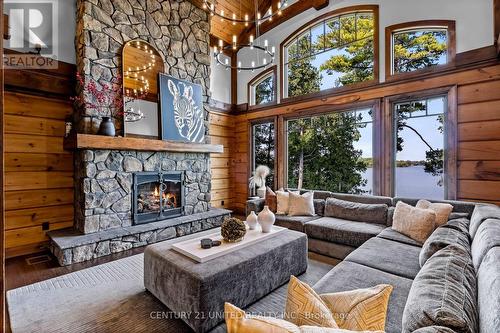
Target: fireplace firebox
157 196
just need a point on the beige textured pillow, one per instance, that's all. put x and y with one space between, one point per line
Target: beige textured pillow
361 309
442 210
239 322
283 198
301 204
416 223
305 307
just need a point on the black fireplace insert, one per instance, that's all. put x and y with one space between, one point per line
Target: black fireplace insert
157 196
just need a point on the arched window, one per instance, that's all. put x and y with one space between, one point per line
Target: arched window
262 88
336 49
415 46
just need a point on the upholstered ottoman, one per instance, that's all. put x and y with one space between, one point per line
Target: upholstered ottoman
196 292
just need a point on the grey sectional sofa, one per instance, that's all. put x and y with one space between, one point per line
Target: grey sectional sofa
374 253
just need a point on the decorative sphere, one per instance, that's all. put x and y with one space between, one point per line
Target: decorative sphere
233 229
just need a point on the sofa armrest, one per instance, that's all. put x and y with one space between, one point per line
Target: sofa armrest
255 205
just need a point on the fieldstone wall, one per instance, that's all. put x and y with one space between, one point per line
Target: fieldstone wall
176 28
104 184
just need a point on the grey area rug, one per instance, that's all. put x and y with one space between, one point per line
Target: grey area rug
111 298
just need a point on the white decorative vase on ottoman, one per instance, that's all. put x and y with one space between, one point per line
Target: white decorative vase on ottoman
252 220
266 219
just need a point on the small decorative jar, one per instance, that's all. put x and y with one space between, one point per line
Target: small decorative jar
252 220
107 127
266 219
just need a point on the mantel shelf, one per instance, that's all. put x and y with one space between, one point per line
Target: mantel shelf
89 141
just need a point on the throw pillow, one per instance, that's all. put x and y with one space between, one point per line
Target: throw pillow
444 293
361 309
441 238
457 215
283 201
413 222
305 307
271 200
239 322
442 210
301 204
355 211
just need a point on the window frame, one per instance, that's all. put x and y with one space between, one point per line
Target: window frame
449 25
374 104
374 9
450 139
251 164
271 71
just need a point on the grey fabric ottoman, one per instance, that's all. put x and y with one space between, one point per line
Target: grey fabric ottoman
196 292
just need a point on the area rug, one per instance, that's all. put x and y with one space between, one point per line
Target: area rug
111 298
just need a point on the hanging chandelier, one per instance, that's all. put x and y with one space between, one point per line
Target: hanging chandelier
264 55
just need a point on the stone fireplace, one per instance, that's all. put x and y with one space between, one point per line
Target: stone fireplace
109 217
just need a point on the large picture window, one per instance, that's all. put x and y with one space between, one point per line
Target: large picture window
414 46
264 148
419 148
331 152
336 50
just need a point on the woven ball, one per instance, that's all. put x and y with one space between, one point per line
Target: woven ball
233 229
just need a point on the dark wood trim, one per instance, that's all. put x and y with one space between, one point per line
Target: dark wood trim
449 25
234 78
258 77
451 143
5 27
340 11
288 13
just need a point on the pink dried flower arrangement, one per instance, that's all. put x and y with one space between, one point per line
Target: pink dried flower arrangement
105 98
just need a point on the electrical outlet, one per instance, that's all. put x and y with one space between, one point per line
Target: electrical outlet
45 226
222 203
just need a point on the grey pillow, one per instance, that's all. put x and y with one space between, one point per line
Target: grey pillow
434 329
444 293
355 211
457 215
459 224
441 238
319 206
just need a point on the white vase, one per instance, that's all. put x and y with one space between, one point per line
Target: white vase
261 192
266 219
252 220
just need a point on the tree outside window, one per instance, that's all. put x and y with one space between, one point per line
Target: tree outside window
264 148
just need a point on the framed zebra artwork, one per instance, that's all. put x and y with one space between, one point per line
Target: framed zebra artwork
182 114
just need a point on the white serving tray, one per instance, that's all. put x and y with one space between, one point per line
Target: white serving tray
192 247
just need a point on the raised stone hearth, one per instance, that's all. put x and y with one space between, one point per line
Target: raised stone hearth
70 246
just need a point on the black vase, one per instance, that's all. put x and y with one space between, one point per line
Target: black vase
107 127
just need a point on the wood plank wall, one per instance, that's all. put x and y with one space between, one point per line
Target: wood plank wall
221 129
38 171
478 128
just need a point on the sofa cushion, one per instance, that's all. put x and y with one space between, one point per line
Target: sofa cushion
434 329
461 224
301 204
480 214
441 238
487 237
442 210
330 249
488 295
319 206
341 231
416 223
458 206
355 211
349 275
366 199
391 234
294 222
444 293
390 215
388 256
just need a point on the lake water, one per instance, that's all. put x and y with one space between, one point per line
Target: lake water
412 182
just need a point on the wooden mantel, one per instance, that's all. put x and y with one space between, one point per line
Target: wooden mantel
90 141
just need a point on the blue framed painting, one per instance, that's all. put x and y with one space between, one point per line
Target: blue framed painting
182 115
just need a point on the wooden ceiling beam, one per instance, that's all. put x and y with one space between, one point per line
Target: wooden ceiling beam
288 13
